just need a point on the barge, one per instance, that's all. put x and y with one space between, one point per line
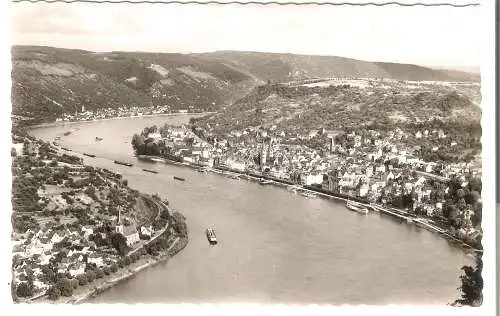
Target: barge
179 178
123 163
64 148
89 155
150 171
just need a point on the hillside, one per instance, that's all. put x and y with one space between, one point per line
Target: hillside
345 106
286 67
50 81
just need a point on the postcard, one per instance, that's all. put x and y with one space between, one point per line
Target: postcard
327 154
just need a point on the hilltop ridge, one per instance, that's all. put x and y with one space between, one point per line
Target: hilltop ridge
48 81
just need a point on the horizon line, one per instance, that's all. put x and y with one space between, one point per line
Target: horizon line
471 69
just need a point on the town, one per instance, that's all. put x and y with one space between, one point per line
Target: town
368 165
75 227
121 112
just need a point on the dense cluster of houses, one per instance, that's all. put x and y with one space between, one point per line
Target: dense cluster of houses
371 165
180 142
104 113
62 241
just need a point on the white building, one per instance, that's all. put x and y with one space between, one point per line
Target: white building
56 238
77 269
96 259
148 231
129 232
87 230
313 179
236 165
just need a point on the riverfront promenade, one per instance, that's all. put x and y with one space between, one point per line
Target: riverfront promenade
390 211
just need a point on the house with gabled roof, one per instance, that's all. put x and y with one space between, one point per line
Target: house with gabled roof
76 269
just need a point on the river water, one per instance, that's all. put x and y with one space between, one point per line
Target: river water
274 246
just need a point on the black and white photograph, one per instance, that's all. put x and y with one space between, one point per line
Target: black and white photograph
173 153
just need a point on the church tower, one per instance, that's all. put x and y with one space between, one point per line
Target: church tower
119 225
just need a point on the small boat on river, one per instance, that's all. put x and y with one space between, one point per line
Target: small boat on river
57 138
55 144
264 182
98 139
212 239
150 171
179 179
89 155
67 133
123 163
308 194
356 207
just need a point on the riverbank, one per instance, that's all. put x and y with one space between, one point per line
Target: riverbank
327 229
137 259
64 123
89 291
423 223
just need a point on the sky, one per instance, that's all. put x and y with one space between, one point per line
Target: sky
430 36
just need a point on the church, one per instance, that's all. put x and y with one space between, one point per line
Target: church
129 232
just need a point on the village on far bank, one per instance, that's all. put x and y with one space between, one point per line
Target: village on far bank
75 224
393 168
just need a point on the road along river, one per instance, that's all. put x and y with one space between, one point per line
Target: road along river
274 246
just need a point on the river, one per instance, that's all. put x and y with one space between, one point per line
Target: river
274 246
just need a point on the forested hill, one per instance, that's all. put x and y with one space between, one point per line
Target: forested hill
47 81
304 108
286 67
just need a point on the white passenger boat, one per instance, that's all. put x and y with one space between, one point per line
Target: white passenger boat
356 207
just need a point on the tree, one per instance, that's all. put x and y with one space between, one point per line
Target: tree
90 276
472 197
476 218
179 224
24 289
82 279
472 284
106 270
126 261
99 274
475 184
138 143
460 193
54 293
119 242
65 286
